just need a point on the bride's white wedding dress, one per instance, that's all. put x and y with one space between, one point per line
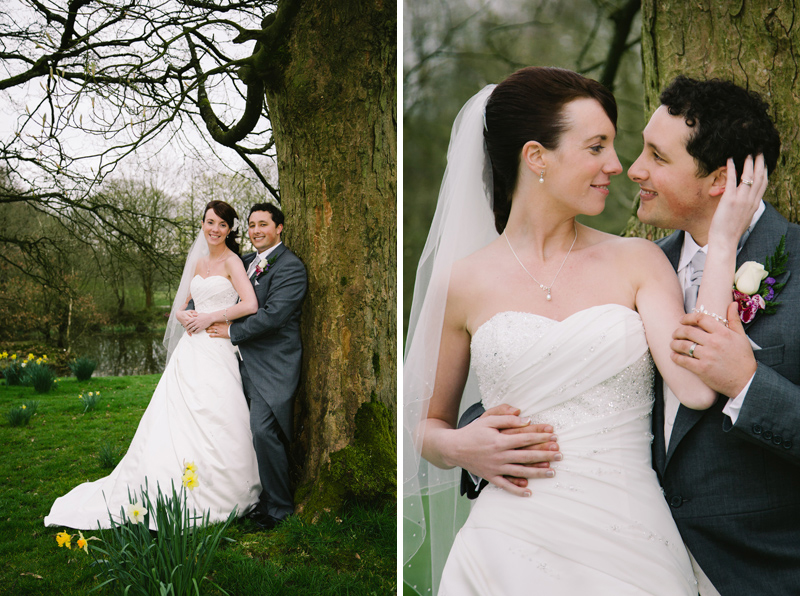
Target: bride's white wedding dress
601 525
198 414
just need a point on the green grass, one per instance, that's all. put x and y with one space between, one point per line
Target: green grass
354 554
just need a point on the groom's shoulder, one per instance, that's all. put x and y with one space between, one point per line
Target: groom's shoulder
668 242
290 259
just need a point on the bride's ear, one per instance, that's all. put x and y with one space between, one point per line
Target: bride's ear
533 157
718 181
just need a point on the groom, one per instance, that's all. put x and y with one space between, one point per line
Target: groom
731 474
271 353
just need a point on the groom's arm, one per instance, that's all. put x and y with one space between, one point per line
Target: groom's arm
769 413
286 293
471 485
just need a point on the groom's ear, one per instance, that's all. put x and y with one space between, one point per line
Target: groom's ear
719 178
533 156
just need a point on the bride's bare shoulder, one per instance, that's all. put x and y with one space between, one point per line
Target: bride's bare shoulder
634 253
472 273
479 260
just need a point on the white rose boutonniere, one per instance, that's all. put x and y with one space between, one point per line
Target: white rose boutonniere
264 265
755 285
749 276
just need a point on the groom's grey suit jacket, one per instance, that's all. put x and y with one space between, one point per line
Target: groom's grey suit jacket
269 340
734 490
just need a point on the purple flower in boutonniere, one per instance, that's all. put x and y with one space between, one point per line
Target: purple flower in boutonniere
755 285
264 265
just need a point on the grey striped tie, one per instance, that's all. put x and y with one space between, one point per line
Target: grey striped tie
690 294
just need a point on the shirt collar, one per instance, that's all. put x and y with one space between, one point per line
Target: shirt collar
263 255
690 247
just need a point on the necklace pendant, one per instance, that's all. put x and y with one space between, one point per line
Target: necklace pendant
549 297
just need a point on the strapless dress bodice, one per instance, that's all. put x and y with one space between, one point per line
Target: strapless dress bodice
507 336
212 293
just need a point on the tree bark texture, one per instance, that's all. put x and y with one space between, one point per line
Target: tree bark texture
332 105
753 43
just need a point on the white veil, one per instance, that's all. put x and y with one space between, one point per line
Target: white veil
463 223
175 330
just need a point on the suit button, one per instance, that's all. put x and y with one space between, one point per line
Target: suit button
676 501
757 429
767 435
787 444
777 439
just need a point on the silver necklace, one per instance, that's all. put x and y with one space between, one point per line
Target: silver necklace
540 284
218 260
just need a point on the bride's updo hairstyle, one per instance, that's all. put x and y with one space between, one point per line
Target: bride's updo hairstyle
228 213
529 106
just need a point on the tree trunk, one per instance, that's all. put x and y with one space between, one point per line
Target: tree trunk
754 44
147 286
333 112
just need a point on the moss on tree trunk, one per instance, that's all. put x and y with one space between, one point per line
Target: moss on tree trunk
333 112
754 44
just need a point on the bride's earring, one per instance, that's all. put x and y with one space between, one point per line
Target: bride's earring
541 177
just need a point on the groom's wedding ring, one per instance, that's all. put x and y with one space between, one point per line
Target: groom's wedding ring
747 182
691 350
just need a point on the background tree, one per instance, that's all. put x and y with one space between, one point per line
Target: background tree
754 44
311 82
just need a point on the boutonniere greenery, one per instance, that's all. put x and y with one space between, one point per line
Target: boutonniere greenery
755 286
264 265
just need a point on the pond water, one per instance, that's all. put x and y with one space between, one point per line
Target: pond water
122 354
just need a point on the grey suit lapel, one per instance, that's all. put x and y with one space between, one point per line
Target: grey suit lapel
762 243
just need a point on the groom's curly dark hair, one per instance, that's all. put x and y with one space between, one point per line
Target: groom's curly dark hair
728 121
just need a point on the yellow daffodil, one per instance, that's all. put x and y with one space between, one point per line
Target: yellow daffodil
31 356
84 542
136 512
24 407
13 356
64 539
190 480
91 394
4 355
189 467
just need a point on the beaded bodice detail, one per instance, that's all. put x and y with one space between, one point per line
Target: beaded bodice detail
506 337
212 293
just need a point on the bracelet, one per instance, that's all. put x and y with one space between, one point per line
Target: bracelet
225 314
702 310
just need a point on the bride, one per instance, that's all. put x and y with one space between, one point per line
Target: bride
198 414
560 321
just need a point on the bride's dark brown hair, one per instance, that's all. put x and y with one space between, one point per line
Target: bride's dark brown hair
529 106
228 213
